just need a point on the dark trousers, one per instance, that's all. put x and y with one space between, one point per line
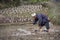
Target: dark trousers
45 24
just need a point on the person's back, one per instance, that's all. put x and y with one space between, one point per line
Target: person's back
42 17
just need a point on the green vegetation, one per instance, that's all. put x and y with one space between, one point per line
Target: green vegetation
13 3
54 15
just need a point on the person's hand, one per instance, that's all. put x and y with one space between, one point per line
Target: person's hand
41 30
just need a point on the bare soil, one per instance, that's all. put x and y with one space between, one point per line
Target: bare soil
26 32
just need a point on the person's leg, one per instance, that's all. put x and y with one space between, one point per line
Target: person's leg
40 28
47 26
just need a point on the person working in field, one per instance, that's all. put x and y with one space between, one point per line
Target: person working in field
42 21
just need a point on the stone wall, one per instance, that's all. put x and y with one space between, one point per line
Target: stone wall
20 13
22 9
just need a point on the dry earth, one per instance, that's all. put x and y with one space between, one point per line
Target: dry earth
26 32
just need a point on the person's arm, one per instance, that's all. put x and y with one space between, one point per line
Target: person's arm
40 20
35 21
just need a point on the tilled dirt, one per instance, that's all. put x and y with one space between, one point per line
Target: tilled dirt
26 32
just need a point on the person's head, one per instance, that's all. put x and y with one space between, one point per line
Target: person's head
33 15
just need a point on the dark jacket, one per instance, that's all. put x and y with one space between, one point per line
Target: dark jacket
41 18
